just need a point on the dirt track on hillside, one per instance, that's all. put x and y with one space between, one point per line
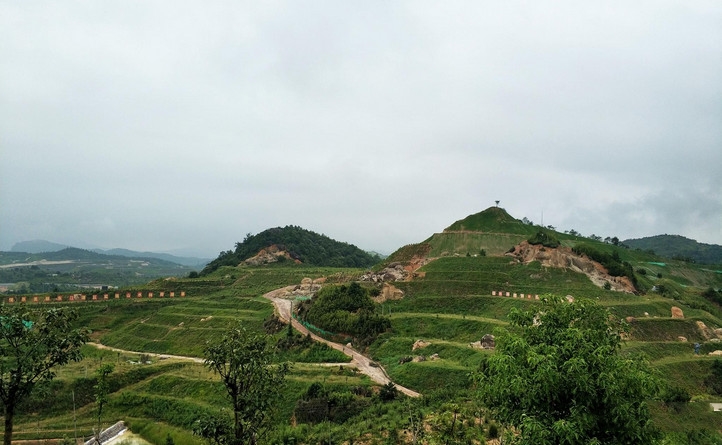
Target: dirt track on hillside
362 363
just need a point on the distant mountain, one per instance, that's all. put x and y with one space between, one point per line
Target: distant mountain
679 247
42 246
72 268
186 261
37 246
296 243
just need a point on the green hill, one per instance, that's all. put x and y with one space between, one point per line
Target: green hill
302 245
678 247
492 230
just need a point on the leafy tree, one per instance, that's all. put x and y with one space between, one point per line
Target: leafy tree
243 360
559 378
32 343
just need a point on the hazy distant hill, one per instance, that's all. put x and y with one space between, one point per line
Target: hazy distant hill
676 246
40 246
306 246
72 268
37 246
186 261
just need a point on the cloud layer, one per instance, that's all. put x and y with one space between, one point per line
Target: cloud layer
184 125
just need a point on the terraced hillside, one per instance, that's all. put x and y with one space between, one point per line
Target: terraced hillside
438 316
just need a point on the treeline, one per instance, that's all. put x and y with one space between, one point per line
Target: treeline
306 246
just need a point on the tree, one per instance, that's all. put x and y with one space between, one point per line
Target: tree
559 378
32 343
243 360
101 394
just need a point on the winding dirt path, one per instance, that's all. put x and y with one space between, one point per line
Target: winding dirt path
283 308
150 354
362 363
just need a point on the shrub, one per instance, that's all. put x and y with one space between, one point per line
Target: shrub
545 239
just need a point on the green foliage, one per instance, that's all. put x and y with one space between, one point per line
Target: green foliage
243 360
102 389
612 262
713 295
675 397
320 404
671 246
714 380
561 378
345 310
388 392
216 428
306 246
544 238
32 344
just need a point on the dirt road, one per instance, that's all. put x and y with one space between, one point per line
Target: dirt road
363 363
283 307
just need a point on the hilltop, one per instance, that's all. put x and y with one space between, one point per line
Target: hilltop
293 244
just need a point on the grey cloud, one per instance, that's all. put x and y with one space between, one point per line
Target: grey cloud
375 123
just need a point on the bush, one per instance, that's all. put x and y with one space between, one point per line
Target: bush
714 380
676 398
545 239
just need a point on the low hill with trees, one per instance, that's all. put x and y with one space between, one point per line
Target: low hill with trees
298 244
678 247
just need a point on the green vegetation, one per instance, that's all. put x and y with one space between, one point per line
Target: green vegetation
561 379
612 262
243 360
307 247
544 238
448 305
71 269
678 247
32 344
347 311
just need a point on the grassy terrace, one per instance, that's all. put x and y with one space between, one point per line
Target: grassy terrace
450 307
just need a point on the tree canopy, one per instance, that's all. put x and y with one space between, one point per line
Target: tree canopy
346 309
559 378
304 245
32 343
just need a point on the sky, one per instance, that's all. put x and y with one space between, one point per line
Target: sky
181 126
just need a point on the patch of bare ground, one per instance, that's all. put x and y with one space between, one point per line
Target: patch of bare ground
564 257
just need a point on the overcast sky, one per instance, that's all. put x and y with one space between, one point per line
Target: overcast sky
182 126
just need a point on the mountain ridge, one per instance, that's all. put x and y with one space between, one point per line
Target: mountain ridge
44 246
678 247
